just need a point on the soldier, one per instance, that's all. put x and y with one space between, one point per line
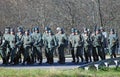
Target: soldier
5 46
1 48
56 50
104 42
97 43
45 35
27 41
12 42
19 44
71 44
87 46
37 44
112 42
78 46
34 56
50 46
62 43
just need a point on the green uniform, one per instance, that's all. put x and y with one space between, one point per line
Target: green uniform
37 46
62 43
27 41
87 47
5 48
105 41
50 46
78 40
97 47
12 42
71 45
45 35
103 46
19 45
2 54
112 42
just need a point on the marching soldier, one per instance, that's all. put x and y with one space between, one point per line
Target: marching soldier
45 35
1 49
50 42
5 46
97 46
112 42
78 46
104 41
71 44
19 44
87 46
12 42
37 44
56 50
27 41
62 43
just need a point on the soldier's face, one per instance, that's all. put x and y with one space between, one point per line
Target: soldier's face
73 33
49 33
36 31
76 33
20 33
97 32
12 33
46 31
60 32
101 30
111 32
27 33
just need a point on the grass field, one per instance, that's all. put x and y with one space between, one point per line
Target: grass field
112 72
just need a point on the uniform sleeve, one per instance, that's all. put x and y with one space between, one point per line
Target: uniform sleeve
66 40
55 41
40 40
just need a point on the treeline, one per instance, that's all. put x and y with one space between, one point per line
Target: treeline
63 13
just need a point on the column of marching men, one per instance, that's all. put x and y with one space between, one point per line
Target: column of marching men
26 47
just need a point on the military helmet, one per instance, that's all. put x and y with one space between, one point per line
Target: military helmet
98 29
112 30
20 27
20 30
49 31
7 29
47 28
12 30
58 29
36 29
76 31
102 29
